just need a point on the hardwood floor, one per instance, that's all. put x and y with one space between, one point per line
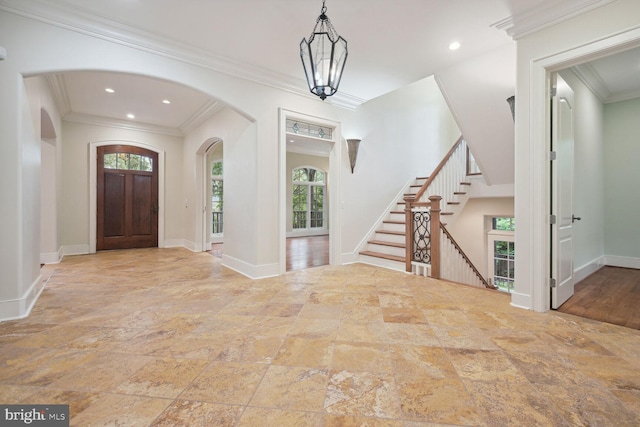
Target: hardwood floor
612 295
306 252
302 252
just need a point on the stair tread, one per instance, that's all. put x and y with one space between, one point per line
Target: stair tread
397 233
390 221
465 183
446 213
383 256
384 243
459 193
453 203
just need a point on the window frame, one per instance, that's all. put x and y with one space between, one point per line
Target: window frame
310 186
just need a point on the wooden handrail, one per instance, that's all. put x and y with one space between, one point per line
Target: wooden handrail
465 257
438 169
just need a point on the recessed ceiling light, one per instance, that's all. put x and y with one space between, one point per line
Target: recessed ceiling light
166 101
131 116
454 46
109 90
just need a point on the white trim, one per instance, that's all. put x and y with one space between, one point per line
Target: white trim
93 192
20 308
622 261
75 250
104 29
588 269
536 238
51 257
250 270
332 185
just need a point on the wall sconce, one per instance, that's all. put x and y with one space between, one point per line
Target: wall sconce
512 104
352 145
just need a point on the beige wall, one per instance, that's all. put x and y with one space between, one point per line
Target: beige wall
471 227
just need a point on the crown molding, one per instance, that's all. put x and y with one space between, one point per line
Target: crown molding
590 77
203 114
119 33
58 89
547 15
88 119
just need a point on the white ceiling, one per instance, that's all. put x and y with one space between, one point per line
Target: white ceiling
391 44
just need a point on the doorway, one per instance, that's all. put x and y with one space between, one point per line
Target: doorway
312 136
127 197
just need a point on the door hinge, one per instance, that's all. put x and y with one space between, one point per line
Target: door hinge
554 91
552 219
552 282
552 155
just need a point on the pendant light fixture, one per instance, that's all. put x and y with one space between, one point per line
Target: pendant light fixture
323 57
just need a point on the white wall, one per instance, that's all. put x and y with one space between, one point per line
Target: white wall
75 178
470 228
609 28
476 91
404 135
622 196
229 127
294 161
42 104
589 174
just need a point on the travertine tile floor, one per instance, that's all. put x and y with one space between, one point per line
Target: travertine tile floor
167 337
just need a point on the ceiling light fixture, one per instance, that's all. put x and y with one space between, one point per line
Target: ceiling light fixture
131 116
166 101
109 90
454 46
323 57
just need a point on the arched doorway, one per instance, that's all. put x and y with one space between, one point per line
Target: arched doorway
127 197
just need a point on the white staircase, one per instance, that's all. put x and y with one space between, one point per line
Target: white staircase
385 246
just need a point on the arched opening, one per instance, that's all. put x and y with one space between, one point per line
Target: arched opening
49 158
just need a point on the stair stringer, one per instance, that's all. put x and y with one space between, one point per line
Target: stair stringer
377 225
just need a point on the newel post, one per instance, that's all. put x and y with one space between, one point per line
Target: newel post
435 236
408 220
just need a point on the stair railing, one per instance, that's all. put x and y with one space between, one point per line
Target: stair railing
423 233
447 176
458 267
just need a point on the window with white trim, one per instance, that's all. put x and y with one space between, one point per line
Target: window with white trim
309 198
217 211
502 253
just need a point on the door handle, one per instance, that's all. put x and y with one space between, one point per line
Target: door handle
154 209
575 218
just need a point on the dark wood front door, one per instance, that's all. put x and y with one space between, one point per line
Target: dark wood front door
127 204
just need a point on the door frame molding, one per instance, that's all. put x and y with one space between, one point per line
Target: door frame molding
535 239
93 191
332 186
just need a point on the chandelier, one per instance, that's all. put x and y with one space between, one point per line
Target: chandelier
323 57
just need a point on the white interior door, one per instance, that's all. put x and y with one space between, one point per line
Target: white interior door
562 193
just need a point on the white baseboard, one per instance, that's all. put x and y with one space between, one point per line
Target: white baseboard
179 243
75 250
621 261
51 257
250 270
588 269
521 301
21 307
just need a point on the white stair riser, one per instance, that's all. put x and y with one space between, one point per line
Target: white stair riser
389 238
389 250
393 227
384 263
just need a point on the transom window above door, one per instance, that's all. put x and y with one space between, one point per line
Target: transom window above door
128 161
